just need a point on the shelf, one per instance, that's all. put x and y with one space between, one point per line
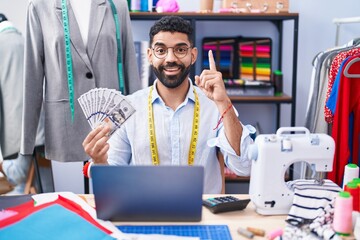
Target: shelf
236 179
275 18
262 99
217 16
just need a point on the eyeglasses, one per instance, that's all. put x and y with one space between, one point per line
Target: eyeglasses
162 51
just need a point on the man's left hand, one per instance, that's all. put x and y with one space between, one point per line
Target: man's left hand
211 83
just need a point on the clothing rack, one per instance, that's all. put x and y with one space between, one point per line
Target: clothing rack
339 21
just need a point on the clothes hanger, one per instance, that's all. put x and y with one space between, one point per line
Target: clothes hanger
356 42
347 67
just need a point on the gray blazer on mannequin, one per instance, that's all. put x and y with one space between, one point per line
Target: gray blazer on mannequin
12 58
93 66
11 91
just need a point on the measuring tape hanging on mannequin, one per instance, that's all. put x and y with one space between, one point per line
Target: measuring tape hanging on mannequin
118 40
69 65
194 134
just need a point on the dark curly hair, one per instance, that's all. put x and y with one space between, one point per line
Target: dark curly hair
172 24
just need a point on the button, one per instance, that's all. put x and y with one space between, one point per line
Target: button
89 75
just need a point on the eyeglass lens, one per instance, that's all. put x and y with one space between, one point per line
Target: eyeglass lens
162 51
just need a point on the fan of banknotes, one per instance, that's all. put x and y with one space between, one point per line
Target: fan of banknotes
103 105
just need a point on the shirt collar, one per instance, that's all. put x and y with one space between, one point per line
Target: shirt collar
189 96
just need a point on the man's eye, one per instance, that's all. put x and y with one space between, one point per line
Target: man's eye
160 50
181 49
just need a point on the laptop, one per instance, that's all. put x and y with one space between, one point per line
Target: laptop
148 193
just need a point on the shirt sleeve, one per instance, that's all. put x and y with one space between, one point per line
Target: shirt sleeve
120 148
240 165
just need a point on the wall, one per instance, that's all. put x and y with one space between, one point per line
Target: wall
317 32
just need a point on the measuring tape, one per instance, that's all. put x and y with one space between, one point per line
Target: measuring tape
118 40
7 28
194 134
69 65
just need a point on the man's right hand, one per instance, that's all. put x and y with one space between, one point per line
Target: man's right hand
96 145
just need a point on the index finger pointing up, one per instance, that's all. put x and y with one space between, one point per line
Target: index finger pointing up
212 61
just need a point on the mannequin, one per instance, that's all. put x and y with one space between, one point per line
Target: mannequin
94 64
16 166
93 46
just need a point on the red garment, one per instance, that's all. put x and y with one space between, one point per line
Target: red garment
348 101
335 65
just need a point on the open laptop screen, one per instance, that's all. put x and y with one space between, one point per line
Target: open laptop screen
148 193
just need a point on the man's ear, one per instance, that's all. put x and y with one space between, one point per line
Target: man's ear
149 55
194 53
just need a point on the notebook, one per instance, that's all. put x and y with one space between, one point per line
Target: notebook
148 193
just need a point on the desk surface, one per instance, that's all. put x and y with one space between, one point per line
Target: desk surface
245 218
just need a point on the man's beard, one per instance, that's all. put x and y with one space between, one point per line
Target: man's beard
172 81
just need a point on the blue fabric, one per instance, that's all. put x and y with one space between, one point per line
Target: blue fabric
331 102
56 223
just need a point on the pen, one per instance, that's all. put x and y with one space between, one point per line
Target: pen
245 233
256 231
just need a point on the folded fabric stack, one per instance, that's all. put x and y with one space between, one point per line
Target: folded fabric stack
311 214
54 216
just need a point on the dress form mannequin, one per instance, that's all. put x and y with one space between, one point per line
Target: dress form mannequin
16 166
81 10
93 47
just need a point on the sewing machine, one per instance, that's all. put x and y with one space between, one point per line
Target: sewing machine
272 154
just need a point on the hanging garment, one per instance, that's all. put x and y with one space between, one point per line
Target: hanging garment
314 117
94 66
346 122
12 58
11 92
334 69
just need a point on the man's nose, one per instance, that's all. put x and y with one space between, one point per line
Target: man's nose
171 57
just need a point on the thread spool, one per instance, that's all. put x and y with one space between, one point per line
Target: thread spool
277 78
206 5
217 5
357 181
342 224
354 189
274 234
351 171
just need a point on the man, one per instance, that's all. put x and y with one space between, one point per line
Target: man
178 115
16 167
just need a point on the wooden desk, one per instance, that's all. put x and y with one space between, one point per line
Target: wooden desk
245 218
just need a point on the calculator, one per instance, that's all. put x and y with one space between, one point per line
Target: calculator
225 204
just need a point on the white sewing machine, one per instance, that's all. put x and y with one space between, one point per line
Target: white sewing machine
272 154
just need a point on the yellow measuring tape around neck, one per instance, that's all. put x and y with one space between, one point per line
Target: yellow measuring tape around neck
194 134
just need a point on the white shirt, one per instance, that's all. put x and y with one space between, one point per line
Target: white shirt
131 144
81 9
